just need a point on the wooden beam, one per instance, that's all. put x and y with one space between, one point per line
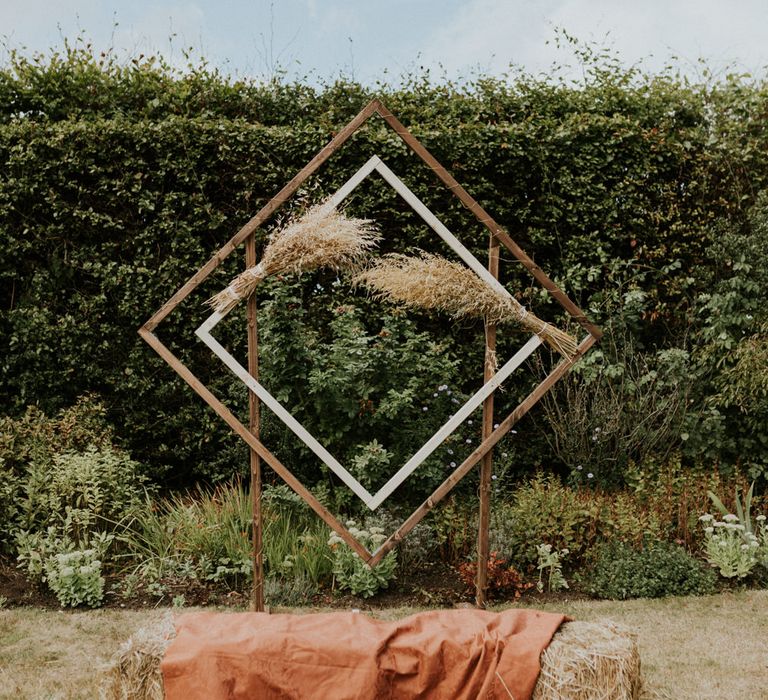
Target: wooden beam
486 464
254 425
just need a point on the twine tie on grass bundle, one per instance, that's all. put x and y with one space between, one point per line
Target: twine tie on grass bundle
430 281
322 237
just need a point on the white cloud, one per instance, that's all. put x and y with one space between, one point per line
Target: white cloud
249 36
492 34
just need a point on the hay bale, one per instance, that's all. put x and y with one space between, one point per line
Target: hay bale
590 661
134 671
584 661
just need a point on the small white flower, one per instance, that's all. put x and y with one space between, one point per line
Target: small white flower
435 394
424 408
730 518
469 422
453 464
709 530
494 477
706 517
579 468
468 441
495 425
760 518
590 475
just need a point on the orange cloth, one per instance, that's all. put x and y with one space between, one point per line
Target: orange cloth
444 654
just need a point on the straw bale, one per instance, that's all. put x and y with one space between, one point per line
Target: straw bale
428 281
584 661
590 661
322 237
134 671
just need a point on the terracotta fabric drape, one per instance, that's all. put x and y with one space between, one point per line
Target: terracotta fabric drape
446 654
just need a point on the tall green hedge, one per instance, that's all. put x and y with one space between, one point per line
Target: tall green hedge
119 181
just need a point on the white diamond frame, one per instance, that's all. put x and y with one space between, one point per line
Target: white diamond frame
373 501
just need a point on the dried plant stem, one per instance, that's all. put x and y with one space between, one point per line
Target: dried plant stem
322 237
430 281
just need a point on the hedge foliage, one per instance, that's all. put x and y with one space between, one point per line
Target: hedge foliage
120 180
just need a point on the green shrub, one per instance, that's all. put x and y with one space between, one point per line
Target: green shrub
80 493
620 405
351 572
63 472
658 570
72 505
544 510
418 548
674 495
454 524
10 493
75 577
567 517
36 550
34 437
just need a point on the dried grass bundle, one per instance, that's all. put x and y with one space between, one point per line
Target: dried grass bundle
429 281
134 672
322 237
590 661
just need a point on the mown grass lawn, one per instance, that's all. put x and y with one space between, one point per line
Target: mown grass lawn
691 648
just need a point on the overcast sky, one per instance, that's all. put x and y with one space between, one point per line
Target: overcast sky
373 40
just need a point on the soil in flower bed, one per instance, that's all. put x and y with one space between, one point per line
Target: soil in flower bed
434 585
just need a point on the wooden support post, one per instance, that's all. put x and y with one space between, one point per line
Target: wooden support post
257 594
486 465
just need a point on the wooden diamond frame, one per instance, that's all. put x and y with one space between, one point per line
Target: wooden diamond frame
491 435
373 501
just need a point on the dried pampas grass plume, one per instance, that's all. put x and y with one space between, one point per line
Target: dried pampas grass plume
322 237
429 281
